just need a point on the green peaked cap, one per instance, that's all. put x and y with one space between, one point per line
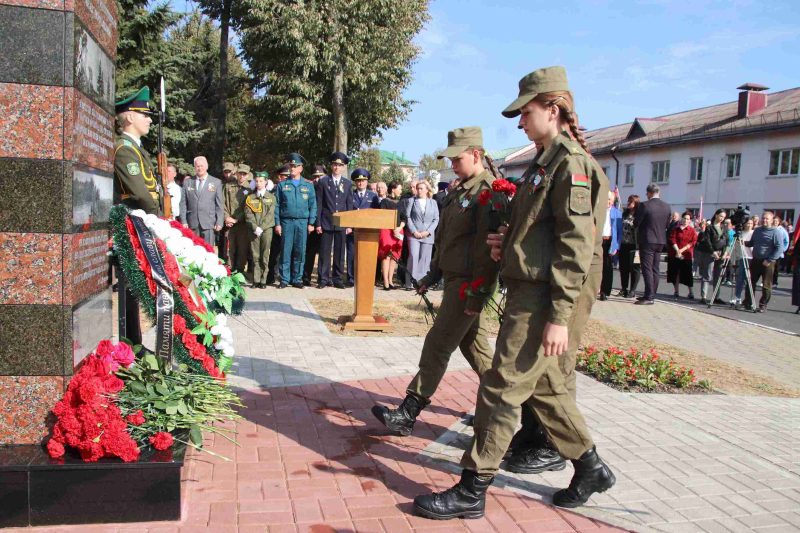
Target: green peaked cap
262 174
460 139
139 101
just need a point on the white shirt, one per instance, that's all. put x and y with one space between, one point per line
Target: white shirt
607 224
422 203
174 191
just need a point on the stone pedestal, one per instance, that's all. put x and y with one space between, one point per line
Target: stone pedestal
56 152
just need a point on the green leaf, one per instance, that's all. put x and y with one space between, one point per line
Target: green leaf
162 390
182 408
160 405
196 435
171 409
197 330
151 361
137 387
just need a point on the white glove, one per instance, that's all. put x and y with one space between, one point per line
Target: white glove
259 231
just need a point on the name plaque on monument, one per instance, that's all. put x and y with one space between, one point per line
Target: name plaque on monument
94 69
100 18
91 142
85 264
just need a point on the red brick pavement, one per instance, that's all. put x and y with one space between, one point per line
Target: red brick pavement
313 459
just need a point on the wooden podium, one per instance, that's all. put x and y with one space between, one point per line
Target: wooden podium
366 224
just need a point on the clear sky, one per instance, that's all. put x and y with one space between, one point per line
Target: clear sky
624 60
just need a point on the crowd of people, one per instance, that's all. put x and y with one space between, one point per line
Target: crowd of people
277 229
714 252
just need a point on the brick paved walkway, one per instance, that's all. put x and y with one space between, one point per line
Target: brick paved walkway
312 457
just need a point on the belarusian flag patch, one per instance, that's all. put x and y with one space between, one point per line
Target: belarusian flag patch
580 180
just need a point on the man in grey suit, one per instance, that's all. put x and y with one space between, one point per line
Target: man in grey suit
422 217
201 202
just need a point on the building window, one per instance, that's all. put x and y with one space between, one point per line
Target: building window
734 165
784 162
696 170
629 174
660 172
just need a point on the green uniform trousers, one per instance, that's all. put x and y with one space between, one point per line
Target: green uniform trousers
452 329
259 248
519 364
293 254
239 237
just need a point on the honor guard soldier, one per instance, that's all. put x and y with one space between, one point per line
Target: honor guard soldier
234 194
136 186
260 211
281 175
295 217
135 183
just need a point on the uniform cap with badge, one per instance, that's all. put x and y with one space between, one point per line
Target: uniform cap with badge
295 159
284 170
460 139
138 101
319 171
262 174
543 80
339 158
360 174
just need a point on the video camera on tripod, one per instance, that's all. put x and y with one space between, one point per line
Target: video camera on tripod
739 217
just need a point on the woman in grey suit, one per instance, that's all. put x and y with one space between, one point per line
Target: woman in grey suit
422 215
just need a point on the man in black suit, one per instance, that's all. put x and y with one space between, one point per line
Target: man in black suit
651 221
334 194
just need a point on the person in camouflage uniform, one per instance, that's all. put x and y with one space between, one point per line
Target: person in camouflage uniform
260 212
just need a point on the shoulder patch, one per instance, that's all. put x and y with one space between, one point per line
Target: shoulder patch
133 169
580 180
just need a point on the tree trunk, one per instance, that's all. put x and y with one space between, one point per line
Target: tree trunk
220 133
339 114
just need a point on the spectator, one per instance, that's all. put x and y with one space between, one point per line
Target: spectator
402 207
390 241
796 268
776 223
739 253
682 239
373 187
201 202
381 190
767 247
174 191
711 248
652 219
441 194
422 217
314 240
727 225
700 225
629 268
756 221
611 234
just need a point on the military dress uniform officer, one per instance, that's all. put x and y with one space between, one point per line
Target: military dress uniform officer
314 238
261 210
363 198
333 195
282 174
295 217
546 259
234 194
135 186
228 176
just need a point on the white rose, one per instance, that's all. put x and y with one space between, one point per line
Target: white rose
216 330
228 351
222 319
138 213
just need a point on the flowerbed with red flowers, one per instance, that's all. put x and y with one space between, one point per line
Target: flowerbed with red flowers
638 370
117 403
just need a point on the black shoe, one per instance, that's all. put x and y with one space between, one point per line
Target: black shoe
387 288
400 420
283 285
719 301
270 281
623 293
761 309
535 460
338 285
349 284
640 298
465 499
691 296
591 475
602 297
306 283
469 420
321 285
644 301
676 296
297 285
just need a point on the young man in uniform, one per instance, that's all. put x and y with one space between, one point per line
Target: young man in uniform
261 210
295 217
234 195
333 195
363 198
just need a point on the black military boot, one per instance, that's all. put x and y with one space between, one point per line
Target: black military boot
530 435
465 499
591 475
401 420
534 460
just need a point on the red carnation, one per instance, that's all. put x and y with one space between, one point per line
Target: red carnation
462 291
55 449
161 440
485 197
136 419
504 186
476 284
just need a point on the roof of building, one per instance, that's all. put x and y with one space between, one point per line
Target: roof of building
387 158
721 120
499 155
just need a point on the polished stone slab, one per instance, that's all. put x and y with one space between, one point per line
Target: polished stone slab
27 57
32 340
32 195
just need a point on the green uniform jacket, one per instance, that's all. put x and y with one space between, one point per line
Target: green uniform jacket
233 197
555 215
460 242
135 183
260 212
296 201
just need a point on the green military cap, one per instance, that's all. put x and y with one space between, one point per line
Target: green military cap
262 174
228 166
544 80
460 139
139 102
243 168
295 159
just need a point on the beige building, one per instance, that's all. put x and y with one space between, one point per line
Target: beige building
745 151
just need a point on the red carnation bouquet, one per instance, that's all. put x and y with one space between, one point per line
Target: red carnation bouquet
499 199
478 287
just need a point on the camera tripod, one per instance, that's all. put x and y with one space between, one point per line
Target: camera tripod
738 246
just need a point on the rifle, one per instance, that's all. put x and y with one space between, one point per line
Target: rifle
161 158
